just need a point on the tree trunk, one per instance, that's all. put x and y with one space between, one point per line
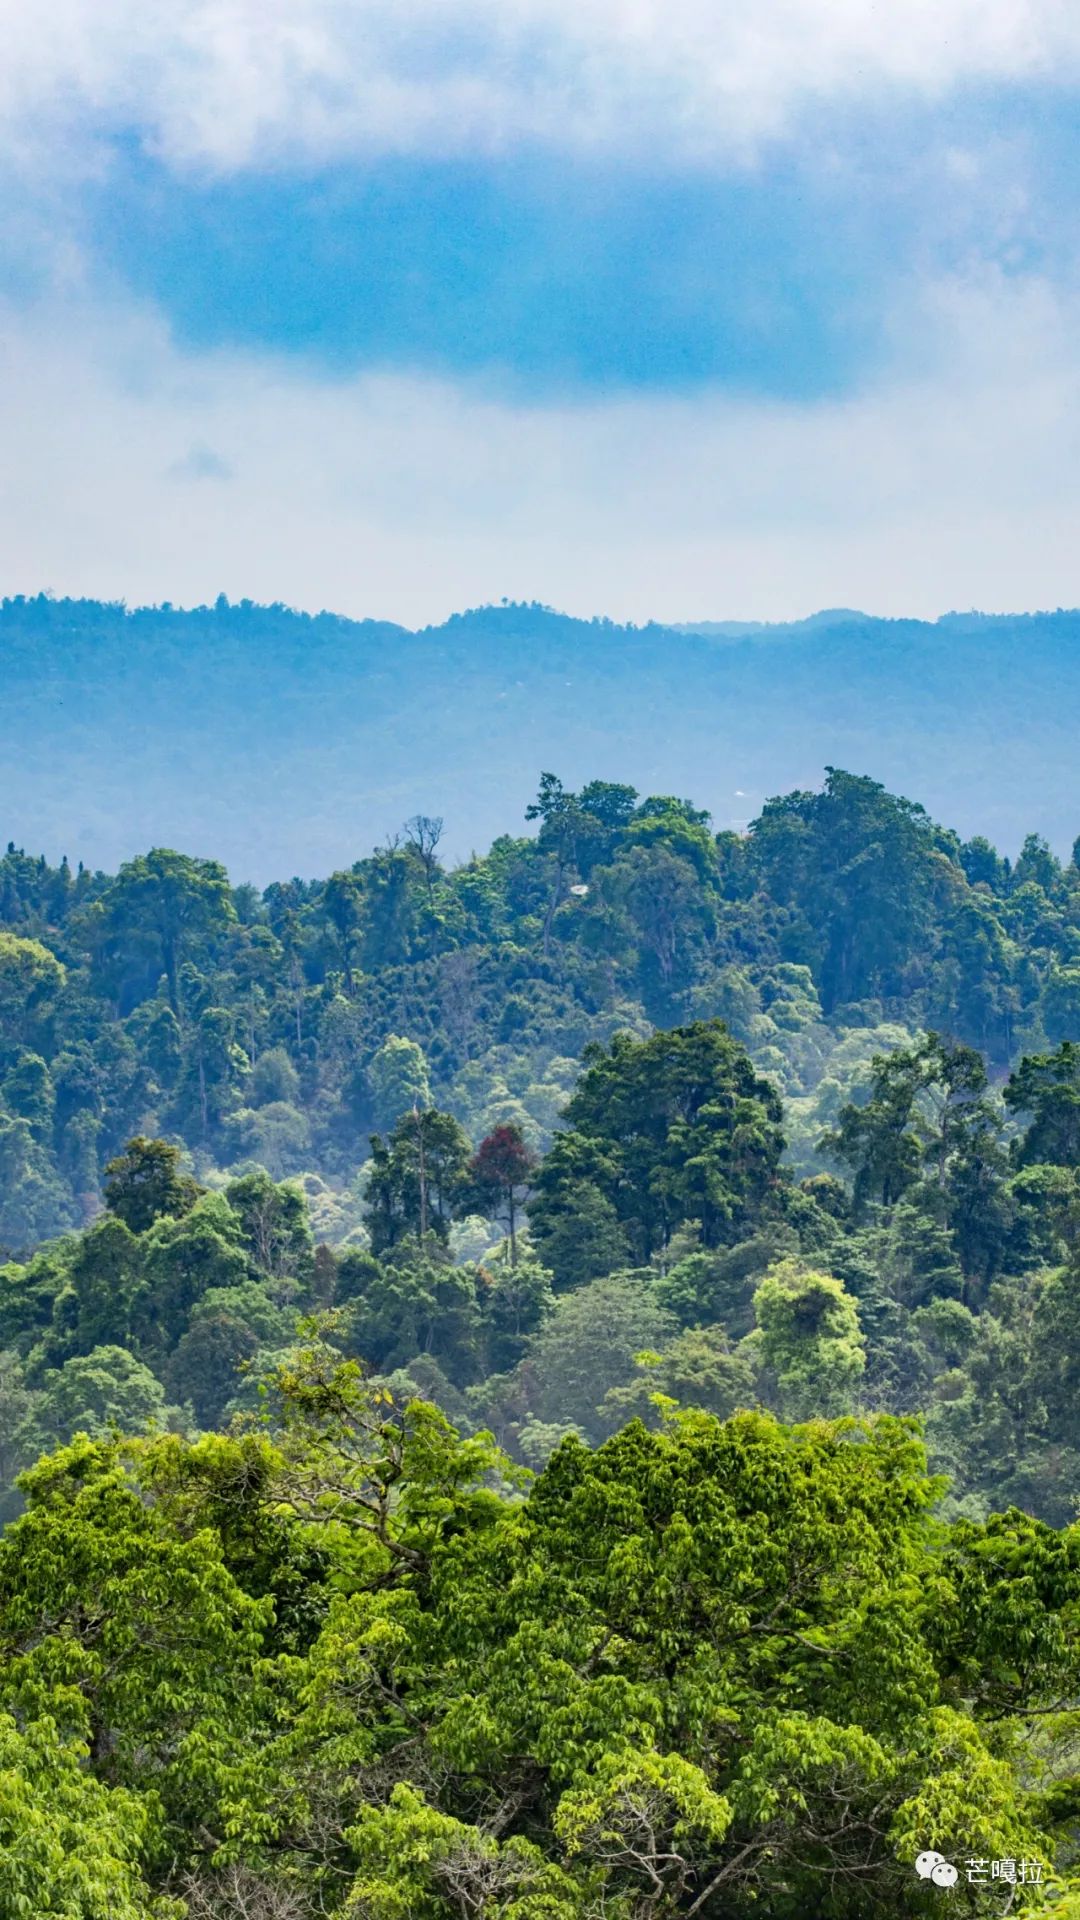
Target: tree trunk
556 895
423 1175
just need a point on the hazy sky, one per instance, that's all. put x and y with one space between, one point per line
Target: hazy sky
659 308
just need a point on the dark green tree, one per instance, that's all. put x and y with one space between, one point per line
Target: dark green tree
415 1304
343 901
182 1260
675 1128
418 1178
860 867
167 906
145 1183
929 1130
105 1274
1046 1086
27 1092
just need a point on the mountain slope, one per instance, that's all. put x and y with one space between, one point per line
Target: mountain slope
282 742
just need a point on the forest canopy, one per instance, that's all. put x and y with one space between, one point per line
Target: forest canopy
545 1387
718 1669
282 1028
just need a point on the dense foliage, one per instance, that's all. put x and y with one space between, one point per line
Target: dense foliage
283 1028
602 1155
343 1669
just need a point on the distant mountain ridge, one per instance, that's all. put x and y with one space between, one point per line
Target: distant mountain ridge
290 742
743 629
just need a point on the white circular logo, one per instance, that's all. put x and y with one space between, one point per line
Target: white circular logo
944 1874
926 1862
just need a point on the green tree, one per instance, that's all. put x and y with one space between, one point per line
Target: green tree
588 1346
877 1140
343 901
919 1259
696 1369
182 1260
105 1273
227 1328
94 1392
1055 1354
398 1079
17 1403
167 905
861 867
607 808
273 1079
517 1300
28 1093
274 1225
721 1666
578 1230
416 1304
809 1338
418 1178
277 1136
670 915
414 1859
559 814
929 1130
35 1202
69 1846
30 979
145 1183
675 1128
160 1040
126 1631
1046 1086
717 1288
1061 1002
214 1066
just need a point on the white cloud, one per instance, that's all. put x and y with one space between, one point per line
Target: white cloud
227 83
956 484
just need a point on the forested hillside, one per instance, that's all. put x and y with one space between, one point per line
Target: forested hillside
284 1027
861 1126
729 1182
121 730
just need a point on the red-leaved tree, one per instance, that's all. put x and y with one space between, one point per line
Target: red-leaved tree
501 1170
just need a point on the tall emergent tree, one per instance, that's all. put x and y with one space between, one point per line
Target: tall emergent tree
146 1182
501 1170
417 1179
675 1128
166 905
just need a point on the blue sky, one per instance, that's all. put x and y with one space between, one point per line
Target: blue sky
680 311
541 275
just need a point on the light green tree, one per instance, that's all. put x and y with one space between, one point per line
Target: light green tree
808 1337
398 1078
30 979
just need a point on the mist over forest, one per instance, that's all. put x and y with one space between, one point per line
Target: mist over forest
284 743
